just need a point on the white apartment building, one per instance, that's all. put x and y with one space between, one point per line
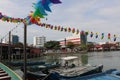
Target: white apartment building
39 41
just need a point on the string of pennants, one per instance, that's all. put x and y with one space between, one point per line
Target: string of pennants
41 7
102 35
77 31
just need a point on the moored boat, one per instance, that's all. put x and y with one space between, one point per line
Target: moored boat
79 71
68 70
39 72
43 67
83 71
73 68
35 75
40 75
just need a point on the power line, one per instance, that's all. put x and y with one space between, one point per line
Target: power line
10 31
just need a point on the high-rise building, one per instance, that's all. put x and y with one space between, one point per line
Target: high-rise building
83 37
15 39
39 41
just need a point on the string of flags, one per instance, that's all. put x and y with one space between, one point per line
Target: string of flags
41 7
77 31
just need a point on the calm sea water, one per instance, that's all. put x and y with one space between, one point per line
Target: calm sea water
109 59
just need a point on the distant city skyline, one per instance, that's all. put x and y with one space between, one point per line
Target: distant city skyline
100 16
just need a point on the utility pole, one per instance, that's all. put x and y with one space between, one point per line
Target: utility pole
1 51
9 48
65 45
25 54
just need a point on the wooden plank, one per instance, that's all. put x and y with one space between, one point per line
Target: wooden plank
5 78
3 74
1 69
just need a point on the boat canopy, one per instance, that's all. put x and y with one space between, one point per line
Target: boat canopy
69 58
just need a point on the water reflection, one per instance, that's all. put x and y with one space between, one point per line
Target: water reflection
84 59
108 59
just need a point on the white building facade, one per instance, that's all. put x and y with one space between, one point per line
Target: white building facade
39 41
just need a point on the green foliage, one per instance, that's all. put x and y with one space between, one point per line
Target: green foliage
90 44
83 46
19 44
52 45
70 45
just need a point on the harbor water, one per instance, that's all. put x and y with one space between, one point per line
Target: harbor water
109 59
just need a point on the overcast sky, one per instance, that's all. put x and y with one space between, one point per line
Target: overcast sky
102 16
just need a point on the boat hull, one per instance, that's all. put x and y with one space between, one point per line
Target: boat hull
57 76
111 74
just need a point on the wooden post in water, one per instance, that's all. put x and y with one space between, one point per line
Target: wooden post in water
25 54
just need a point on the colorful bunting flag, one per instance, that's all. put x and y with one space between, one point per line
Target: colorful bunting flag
108 35
102 36
96 35
115 37
91 35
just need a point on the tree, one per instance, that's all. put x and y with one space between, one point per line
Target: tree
83 46
90 45
70 45
52 45
19 44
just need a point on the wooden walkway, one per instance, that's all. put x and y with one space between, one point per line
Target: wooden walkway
4 75
7 74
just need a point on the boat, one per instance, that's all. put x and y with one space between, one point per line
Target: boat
112 74
79 72
8 74
73 68
69 71
43 67
35 75
29 63
38 72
